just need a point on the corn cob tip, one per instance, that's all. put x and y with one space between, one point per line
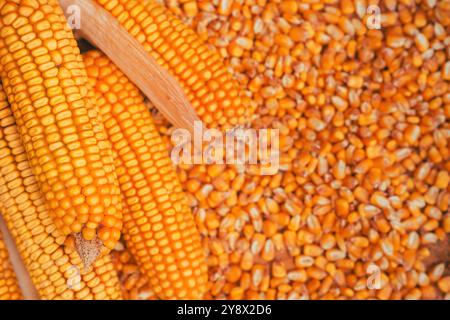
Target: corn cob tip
88 250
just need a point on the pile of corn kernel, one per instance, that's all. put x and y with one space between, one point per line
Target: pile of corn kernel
363 183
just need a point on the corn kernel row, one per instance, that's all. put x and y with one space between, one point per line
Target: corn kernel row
159 227
9 285
214 94
43 76
56 270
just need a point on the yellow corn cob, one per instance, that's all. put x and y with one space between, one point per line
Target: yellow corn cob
55 269
9 286
212 91
44 78
158 224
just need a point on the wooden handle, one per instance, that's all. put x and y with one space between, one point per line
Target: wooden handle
105 32
26 285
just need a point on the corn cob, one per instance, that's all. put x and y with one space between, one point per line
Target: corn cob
9 285
45 81
159 227
55 270
210 88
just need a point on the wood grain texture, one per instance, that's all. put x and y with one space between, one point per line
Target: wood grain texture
102 30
